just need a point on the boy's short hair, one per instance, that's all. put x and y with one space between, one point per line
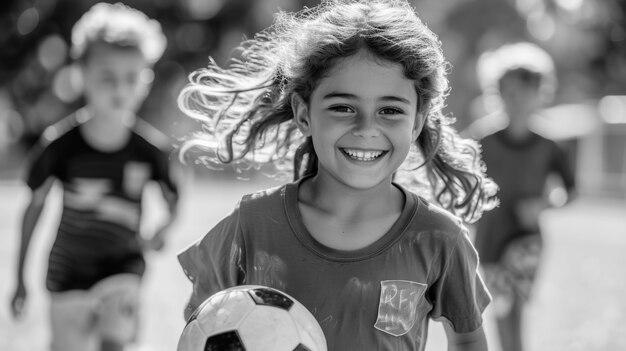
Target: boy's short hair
526 61
118 25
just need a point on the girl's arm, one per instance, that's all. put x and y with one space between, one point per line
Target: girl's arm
472 341
214 262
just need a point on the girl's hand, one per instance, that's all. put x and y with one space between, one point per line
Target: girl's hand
472 341
18 301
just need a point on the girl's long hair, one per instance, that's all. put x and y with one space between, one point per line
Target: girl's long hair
247 114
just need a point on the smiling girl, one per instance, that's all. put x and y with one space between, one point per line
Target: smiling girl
342 94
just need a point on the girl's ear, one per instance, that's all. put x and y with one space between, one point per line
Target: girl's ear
301 114
419 124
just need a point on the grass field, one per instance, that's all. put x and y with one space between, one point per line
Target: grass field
579 303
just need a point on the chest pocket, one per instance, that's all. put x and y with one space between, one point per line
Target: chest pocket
397 308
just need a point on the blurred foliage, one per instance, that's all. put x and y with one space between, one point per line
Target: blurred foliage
586 38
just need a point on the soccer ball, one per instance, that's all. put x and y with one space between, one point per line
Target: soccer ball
252 318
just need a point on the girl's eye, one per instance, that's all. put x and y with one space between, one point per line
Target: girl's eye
341 109
391 111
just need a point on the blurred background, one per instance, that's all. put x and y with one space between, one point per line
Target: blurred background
39 85
587 39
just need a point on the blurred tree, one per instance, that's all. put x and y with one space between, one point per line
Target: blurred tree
35 69
586 37
468 29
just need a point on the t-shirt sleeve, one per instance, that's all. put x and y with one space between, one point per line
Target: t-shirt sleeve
214 262
165 174
161 152
460 295
41 163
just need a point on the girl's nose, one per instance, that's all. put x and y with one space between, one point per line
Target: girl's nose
366 127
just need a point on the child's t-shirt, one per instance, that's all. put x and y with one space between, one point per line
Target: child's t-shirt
98 233
521 169
376 298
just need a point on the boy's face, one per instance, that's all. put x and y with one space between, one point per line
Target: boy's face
114 80
521 98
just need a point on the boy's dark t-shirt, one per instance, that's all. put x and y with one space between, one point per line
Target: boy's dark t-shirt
98 233
521 169
376 298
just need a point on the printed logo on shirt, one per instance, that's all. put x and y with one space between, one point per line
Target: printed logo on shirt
136 174
93 194
397 308
86 193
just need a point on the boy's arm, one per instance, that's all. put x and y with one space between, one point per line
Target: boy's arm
472 341
157 242
29 221
562 165
171 198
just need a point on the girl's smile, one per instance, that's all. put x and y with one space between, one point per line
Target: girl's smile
363 155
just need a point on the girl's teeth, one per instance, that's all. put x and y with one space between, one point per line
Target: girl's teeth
363 155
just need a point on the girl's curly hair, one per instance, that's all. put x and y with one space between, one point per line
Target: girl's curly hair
247 114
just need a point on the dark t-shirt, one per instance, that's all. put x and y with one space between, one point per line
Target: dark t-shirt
521 169
102 191
376 298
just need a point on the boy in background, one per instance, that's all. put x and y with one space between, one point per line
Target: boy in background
103 156
523 164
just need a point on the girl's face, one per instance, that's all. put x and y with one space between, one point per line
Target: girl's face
362 118
113 79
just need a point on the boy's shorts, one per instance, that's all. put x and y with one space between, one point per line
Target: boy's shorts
81 319
513 278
